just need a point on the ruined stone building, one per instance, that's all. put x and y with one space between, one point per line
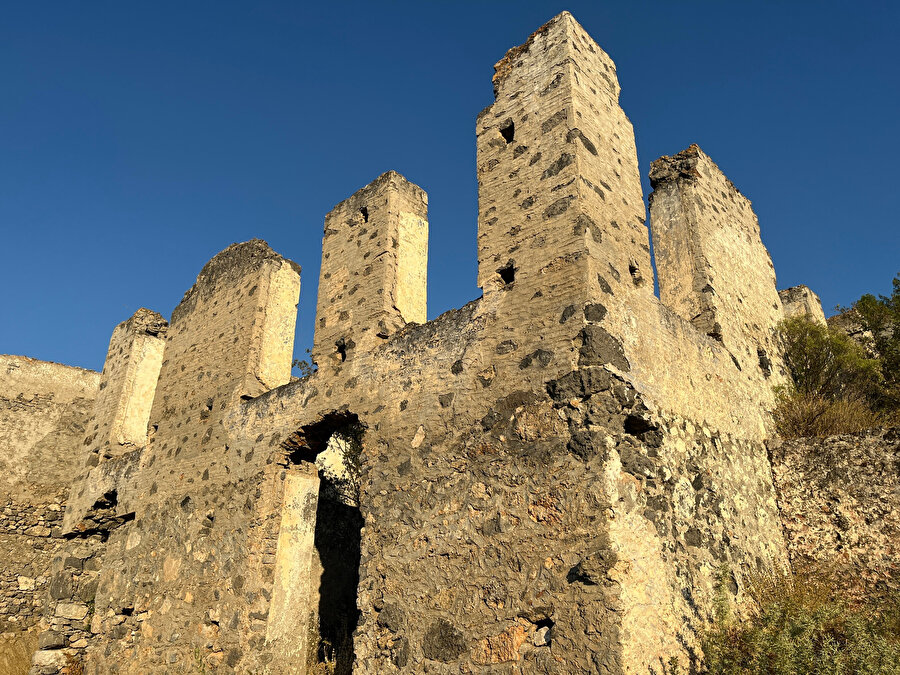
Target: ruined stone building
550 479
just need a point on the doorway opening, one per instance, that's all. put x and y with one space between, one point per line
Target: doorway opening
333 445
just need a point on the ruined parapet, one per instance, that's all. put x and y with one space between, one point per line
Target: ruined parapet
127 384
801 301
712 267
231 335
374 265
559 194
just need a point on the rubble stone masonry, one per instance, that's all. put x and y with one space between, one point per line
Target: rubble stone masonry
551 479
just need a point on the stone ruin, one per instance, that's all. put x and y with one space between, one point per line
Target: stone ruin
558 477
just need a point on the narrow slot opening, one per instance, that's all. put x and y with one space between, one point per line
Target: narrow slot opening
341 348
636 276
334 445
508 131
364 212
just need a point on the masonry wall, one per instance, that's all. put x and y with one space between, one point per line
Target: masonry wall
44 408
839 499
374 265
801 301
713 268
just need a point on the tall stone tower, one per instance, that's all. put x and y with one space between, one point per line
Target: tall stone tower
559 194
713 268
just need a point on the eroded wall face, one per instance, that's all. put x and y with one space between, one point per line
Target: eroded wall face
374 265
713 268
840 505
542 517
44 409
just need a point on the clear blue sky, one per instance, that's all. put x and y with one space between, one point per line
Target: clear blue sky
137 139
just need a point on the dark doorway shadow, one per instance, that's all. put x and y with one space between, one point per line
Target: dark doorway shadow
337 540
334 444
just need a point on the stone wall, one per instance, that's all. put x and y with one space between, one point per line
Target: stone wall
374 265
549 479
801 301
44 409
839 499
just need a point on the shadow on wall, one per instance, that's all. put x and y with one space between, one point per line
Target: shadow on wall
334 444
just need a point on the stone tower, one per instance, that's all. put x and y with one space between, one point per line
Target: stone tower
374 266
559 195
713 268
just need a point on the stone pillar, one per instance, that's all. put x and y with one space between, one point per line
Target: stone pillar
295 594
128 384
713 268
801 301
374 265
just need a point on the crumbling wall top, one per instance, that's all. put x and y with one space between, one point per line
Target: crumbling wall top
229 264
683 165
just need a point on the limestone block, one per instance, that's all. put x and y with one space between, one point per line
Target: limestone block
49 658
71 610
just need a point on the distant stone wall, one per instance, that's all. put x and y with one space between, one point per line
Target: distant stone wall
44 409
839 499
801 301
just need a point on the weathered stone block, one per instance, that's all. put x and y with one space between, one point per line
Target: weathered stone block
71 610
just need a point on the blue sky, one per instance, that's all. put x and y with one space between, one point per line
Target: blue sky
138 139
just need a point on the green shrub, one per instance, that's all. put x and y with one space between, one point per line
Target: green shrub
880 319
834 382
803 626
827 364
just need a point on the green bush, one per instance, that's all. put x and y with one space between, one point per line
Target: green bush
803 626
827 364
833 382
880 319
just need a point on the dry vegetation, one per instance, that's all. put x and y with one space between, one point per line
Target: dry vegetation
804 625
